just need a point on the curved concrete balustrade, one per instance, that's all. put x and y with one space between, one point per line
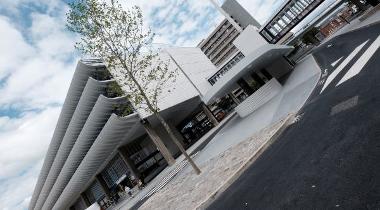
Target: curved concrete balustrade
96 120
254 61
81 75
127 138
110 137
79 150
90 95
259 98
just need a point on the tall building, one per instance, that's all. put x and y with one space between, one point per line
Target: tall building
218 46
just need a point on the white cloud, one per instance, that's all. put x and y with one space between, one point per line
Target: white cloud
16 191
261 10
179 22
36 66
13 49
25 141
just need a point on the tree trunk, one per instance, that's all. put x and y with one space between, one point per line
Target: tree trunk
166 126
158 142
236 101
179 145
209 114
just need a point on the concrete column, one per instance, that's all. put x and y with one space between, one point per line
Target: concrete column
295 9
245 86
257 78
237 102
158 142
103 185
288 16
299 3
177 133
85 200
284 21
266 74
275 29
123 154
278 24
209 114
279 29
299 7
294 12
305 3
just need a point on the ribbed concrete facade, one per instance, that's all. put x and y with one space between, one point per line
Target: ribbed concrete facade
81 75
90 95
83 119
107 141
96 120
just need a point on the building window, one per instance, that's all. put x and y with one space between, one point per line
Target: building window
115 170
213 79
94 192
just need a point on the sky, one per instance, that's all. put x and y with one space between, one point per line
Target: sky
37 61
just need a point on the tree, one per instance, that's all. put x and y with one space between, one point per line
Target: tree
118 36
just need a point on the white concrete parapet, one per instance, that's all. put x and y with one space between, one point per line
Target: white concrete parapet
259 98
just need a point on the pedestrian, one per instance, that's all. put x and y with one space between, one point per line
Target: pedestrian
140 185
128 190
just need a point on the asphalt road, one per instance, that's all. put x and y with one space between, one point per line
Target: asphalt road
330 158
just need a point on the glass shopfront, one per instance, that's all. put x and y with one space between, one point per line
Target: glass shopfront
194 127
146 158
251 83
116 172
94 193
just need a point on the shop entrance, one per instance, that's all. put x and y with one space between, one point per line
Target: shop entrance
194 127
146 158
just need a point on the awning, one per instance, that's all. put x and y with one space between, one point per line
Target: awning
257 60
